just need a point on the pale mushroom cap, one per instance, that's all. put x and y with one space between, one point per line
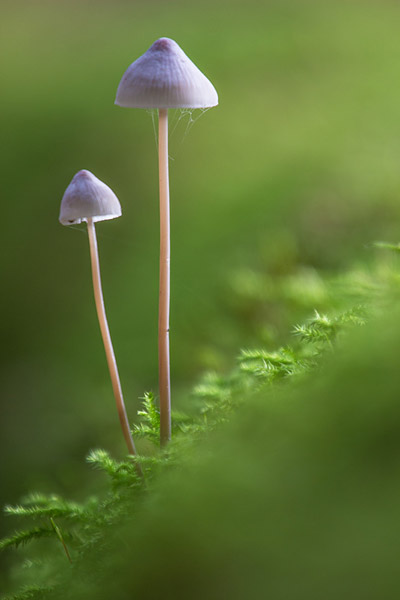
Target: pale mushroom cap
164 77
87 197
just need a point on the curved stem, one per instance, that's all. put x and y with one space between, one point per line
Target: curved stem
163 310
105 333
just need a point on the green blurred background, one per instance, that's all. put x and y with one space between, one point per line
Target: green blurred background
298 165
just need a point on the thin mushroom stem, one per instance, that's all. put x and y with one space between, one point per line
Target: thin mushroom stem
105 333
164 293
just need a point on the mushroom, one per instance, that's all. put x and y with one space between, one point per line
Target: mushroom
87 199
162 78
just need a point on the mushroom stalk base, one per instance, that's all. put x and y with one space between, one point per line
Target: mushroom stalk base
163 312
105 333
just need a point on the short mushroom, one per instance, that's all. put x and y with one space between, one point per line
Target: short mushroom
164 77
87 199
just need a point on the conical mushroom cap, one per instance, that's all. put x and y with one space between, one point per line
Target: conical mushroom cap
87 197
164 77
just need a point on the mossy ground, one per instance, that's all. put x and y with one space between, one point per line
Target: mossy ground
281 482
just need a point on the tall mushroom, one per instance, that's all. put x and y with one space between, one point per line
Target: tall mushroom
162 78
87 199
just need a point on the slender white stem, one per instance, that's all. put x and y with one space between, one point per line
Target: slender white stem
105 333
163 310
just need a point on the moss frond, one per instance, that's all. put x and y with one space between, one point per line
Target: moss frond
55 508
20 538
121 472
31 592
149 425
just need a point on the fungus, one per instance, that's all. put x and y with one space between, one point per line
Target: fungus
162 78
87 199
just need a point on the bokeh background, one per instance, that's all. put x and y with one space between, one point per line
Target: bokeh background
298 165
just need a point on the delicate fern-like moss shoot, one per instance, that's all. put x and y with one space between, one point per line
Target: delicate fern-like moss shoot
162 78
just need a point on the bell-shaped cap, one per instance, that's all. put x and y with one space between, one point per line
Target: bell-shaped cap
87 197
164 77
